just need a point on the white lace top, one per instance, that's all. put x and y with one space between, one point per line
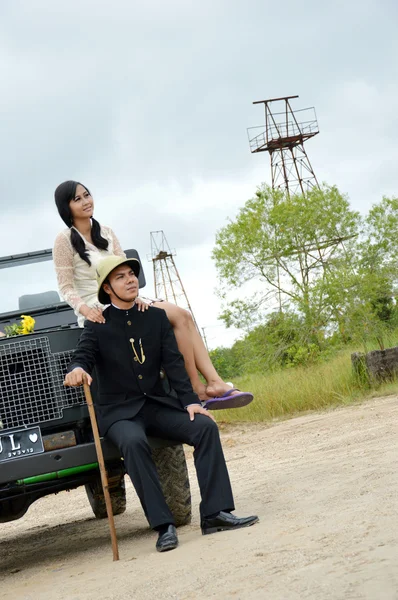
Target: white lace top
76 279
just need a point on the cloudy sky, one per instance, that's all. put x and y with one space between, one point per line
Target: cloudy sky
147 103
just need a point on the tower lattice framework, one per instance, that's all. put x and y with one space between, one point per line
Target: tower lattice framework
283 137
167 280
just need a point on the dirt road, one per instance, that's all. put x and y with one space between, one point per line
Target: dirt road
324 485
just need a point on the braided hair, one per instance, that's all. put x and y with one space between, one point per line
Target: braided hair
63 195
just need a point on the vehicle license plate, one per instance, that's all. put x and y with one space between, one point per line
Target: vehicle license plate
20 443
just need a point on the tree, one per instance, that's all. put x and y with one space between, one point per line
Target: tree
225 363
291 246
370 308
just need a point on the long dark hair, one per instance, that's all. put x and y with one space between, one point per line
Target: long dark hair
63 195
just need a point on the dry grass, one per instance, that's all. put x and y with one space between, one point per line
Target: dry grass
295 390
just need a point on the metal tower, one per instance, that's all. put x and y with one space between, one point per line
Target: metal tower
283 137
168 284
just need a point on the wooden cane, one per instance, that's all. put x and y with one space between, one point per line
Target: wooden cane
101 463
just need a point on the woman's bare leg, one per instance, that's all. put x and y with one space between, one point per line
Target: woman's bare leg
180 321
215 385
194 352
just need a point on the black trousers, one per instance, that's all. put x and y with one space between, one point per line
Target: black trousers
160 420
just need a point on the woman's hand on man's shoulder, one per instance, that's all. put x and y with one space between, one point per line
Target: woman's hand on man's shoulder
93 314
142 306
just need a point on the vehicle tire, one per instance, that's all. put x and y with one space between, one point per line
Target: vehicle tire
173 474
13 509
117 492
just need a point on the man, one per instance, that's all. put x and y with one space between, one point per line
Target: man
129 350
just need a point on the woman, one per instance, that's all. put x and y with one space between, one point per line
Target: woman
77 251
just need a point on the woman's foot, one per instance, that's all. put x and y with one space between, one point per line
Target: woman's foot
212 390
218 388
201 391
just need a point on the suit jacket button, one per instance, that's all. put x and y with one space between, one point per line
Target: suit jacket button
135 358
139 376
128 322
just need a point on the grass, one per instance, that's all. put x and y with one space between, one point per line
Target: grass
291 391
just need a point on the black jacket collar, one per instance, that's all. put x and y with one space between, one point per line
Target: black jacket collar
119 314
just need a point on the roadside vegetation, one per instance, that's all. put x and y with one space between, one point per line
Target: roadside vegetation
318 386
325 280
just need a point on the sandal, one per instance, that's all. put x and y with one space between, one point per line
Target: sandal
229 400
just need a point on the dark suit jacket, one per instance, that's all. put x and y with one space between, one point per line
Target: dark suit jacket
124 384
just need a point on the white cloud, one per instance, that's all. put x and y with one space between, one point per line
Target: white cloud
148 104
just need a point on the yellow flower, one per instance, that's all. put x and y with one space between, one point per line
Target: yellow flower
27 324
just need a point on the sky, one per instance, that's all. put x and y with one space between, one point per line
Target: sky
148 104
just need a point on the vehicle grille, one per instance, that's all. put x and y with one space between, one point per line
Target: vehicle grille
31 383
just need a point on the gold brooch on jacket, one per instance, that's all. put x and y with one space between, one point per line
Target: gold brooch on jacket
142 360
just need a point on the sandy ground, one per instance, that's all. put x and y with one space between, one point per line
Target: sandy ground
324 485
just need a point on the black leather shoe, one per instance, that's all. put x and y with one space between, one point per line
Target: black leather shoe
168 540
225 521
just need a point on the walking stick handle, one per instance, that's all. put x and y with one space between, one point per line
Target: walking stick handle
101 464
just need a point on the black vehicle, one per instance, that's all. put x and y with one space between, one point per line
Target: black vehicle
46 441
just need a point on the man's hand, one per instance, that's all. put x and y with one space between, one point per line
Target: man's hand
75 377
196 409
